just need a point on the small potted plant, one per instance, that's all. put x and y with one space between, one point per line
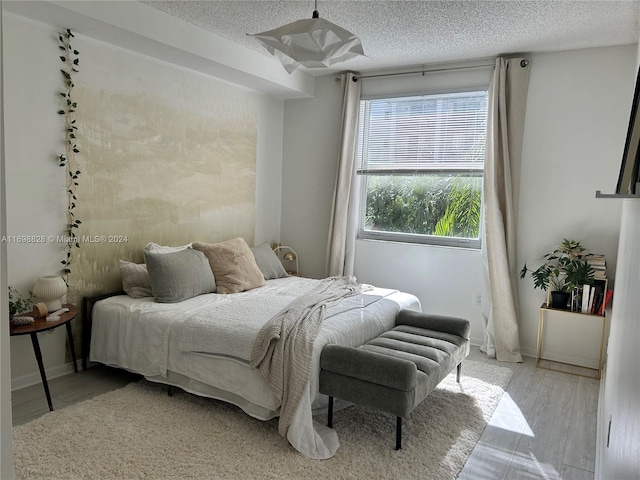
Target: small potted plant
18 303
563 270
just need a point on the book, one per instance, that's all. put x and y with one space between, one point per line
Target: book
598 295
598 264
597 302
605 302
586 290
592 292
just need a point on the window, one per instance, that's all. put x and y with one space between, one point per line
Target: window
421 161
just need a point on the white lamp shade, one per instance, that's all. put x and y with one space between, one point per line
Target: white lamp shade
50 290
312 42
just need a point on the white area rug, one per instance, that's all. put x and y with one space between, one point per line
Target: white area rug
138 432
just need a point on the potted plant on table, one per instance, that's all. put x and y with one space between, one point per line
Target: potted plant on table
564 270
19 303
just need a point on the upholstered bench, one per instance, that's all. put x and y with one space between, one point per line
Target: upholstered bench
396 371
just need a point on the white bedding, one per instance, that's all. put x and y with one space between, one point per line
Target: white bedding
161 342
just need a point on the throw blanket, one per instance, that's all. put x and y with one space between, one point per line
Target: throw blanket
284 345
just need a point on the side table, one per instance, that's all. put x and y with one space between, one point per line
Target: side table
584 337
41 325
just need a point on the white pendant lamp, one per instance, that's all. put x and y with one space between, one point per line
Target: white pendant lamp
313 43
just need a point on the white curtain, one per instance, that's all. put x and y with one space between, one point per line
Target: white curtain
344 212
505 127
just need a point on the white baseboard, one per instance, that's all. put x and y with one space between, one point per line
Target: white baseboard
602 427
34 378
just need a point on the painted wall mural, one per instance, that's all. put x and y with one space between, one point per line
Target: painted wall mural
160 164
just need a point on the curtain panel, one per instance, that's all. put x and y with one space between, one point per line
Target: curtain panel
343 223
505 128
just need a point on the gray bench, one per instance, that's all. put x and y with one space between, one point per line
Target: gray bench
395 371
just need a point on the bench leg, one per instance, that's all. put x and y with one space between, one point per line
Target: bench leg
458 371
330 413
398 433
170 390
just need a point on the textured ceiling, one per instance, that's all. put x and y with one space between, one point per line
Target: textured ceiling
407 33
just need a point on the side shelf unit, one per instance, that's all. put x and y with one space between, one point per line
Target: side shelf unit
582 339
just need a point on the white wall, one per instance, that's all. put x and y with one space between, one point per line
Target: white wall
6 459
311 136
576 121
577 114
34 184
35 194
618 416
618 442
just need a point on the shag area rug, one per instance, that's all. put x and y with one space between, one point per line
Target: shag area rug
139 432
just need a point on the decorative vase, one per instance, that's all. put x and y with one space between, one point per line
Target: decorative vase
559 300
50 290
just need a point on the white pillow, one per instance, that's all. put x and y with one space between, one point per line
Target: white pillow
155 248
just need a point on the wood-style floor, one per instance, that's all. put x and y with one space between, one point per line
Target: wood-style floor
543 428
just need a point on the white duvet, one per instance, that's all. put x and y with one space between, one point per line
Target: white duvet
206 341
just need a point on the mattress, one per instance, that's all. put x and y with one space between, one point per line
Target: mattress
148 338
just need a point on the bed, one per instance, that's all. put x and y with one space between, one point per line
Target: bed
204 345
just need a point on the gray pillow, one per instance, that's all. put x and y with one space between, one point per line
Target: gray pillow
177 276
268 262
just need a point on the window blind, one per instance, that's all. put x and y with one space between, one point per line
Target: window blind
423 134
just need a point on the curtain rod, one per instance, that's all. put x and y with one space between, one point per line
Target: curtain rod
492 63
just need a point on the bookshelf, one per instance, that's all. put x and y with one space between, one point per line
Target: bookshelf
576 336
567 338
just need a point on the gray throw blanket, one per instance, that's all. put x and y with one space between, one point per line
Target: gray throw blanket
284 345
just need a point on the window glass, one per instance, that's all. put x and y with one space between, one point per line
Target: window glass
421 161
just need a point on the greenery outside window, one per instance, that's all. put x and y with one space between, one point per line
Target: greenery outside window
421 161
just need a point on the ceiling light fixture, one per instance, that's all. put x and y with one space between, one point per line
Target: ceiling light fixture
313 43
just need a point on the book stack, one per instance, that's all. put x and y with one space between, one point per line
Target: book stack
595 297
599 265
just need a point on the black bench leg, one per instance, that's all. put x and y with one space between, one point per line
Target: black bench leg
170 390
398 433
330 414
458 371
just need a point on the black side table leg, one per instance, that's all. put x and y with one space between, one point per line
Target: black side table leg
36 350
71 347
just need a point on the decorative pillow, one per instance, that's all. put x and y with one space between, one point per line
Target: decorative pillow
233 265
180 275
135 279
268 262
155 248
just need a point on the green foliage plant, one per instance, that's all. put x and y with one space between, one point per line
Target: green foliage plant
564 269
462 215
19 303
442 205
67 160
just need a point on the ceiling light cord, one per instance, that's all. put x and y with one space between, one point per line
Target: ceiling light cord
316 14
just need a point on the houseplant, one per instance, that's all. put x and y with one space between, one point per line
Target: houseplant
19 303
564 270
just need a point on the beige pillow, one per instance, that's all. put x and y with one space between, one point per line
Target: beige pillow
233 265
135 279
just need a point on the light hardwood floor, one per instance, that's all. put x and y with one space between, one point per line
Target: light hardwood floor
543 428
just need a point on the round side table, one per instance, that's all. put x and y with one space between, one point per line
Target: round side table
41 325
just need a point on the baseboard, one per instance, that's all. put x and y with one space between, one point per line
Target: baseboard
602 427
34 378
